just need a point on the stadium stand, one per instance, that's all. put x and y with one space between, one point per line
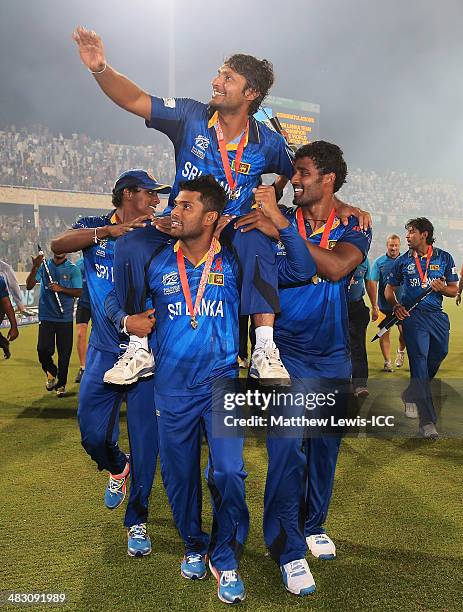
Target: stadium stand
59 174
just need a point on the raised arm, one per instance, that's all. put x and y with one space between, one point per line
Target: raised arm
116 86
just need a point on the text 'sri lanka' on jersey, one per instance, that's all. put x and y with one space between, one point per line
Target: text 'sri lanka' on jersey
314 322
190 126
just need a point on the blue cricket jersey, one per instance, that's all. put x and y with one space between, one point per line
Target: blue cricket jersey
361 274
404 274
188 360
98 262
190 126
65 274
313 323
380 271
3 290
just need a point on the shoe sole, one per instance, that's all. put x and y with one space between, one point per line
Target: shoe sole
237 600
129 381
138 554
270 382
196 577
303 592
325 557
411 416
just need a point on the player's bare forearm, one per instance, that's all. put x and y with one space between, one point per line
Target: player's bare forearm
334 265
389 294
30 280
370 287
124 92
7 308
74 240
116 86
450 290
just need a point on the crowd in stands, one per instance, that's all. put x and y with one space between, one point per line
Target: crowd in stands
37 158
45 160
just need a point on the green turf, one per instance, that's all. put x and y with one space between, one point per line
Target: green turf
396 514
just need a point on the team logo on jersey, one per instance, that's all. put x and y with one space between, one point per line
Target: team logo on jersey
411 267
454 270
200 146
434 267
202 142
101 250
215 279
65 277
169 102
217 265
244 167
170 282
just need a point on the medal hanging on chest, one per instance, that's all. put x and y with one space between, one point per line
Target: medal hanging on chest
423 277
232 182
193 310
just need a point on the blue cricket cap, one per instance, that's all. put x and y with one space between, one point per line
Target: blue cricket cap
139 178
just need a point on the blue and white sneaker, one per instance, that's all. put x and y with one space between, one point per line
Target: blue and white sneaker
193 566
230 587
321 546
297 577
116 488
138 543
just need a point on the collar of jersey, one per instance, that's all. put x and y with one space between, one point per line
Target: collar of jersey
253 134
218 248
320 229
114 219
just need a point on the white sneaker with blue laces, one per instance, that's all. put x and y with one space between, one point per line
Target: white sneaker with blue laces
138 541
321 546
135 363
297 577
230 587
193 566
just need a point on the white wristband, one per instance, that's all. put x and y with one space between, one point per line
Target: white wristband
98 71
124 328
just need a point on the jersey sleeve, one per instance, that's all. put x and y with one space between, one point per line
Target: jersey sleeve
356 236
395 276
76 278
169 114
113 310
281 157
87 222
375 273
298 265
450 272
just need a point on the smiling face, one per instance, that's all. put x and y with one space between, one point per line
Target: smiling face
141 200
308 183
189 219
393 247
229 92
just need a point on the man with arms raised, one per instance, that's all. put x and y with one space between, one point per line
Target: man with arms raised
222 139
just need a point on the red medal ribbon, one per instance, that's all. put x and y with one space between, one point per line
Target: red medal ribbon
202 283
326 230
232 182
423 277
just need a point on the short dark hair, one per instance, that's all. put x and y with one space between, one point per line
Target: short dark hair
327 157
258 74
213 196
117 195
422 225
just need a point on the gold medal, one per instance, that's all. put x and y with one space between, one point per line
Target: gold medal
193 323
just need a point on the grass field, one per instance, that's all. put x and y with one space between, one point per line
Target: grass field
396 514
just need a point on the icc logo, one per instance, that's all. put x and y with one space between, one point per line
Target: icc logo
202 142
411 267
